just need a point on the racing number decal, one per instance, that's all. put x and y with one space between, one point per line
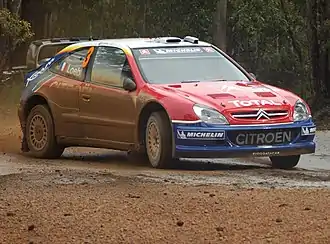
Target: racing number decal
88 57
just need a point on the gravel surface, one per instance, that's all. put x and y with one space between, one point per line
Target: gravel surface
108 209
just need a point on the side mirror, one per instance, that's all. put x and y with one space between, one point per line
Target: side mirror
129 84
253 76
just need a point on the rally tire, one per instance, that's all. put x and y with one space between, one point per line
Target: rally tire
285 162
159 140
40 134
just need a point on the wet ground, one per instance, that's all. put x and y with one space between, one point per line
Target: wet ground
313 171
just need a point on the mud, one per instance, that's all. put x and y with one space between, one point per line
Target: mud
187 172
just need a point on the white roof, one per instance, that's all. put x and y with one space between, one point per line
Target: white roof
139 43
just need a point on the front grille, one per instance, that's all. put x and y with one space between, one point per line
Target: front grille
260 114
263 137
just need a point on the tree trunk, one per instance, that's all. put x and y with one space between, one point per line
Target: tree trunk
317 15
325 7
313 44
144 20
220 24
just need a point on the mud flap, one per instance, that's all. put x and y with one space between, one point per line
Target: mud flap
24 144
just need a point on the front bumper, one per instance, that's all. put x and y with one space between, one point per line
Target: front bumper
199 140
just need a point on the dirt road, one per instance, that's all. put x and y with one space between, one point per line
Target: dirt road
101 196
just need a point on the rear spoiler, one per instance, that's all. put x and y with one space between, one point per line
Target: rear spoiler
63 39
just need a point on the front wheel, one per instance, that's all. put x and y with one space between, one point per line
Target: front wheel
40 134
285 162
159 140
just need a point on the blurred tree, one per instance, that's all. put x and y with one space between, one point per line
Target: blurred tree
13 30
284 42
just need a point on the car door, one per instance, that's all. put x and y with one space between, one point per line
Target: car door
107 109
65 93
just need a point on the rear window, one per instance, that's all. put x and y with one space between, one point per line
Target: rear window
183 64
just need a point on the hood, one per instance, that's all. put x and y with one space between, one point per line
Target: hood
236 100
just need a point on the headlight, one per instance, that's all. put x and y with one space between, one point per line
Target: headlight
300 111
209 115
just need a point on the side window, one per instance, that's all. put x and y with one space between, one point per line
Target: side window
73 65
110 67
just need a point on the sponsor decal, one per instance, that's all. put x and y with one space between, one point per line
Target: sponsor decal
248 103
64 67
209 49
264 138
262 115
76 71
228 88
178 50
260 89
198 135
265 154
88 57
41 71
144 52
307 131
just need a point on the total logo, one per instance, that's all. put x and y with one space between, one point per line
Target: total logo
249 103
198 135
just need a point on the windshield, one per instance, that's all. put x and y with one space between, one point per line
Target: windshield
186 64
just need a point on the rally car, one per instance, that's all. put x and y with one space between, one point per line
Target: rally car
165 98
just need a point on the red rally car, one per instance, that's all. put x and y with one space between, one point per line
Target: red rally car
165 98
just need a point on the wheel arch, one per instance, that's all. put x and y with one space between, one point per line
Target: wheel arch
146 111
51 149
32 101
37 99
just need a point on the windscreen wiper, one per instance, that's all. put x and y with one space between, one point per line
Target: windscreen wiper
190 81
219 80
196 81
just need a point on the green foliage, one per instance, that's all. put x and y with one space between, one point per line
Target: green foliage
13 31
271 38
12 27
267 37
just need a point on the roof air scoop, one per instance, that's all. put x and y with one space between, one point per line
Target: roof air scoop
168 39
191 39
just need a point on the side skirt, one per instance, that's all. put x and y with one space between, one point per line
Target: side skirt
96 143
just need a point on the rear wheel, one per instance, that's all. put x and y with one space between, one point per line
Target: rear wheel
40 134
285 162
159 140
